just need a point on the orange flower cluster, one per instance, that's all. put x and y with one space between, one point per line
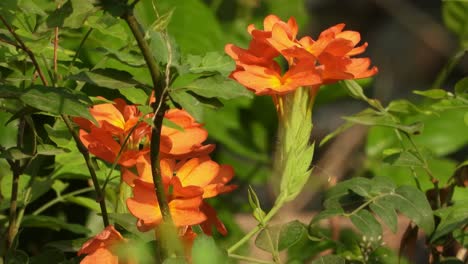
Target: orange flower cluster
118 121
311 62
189 175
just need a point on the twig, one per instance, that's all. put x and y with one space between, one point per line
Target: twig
158 87
25 49
85 153
61 198
80 46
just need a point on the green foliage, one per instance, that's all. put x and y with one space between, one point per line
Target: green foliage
351 198
454 14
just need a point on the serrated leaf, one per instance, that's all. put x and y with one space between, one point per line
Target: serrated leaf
201 246
42 221
57 101
211 62
433 93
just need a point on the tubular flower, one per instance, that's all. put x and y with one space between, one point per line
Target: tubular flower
310 62
116 122
186 183
103 248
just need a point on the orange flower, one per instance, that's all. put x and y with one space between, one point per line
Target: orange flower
103 248
186 143
145 207
186 184
311 63
116 121
263 80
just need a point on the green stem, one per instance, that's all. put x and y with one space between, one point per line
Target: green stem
448 68
61 198
85 153
12 224
249 259
158 87
80 46
279 203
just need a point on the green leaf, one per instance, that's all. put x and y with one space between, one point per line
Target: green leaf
366 223
356 91
58 133
194 104
136 96
452 218
14 153
200 27
404 107
127 221
413 203
131 58
72 14
216 86
50 150
329 259
280 237
57 101
108 78
461 88
7 91
205 251
386 213
53 223
211 62
455 16
85 202
399 157
379 194
433 93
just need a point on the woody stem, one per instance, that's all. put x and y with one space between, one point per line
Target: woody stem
158 86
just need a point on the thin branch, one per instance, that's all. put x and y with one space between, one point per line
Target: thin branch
25 49
80 46
84 152
158 87
61 198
